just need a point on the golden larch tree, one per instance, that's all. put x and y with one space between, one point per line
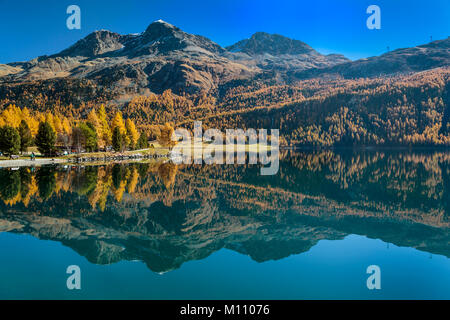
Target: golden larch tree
132 133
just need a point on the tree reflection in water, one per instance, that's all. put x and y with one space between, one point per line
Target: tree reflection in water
165 214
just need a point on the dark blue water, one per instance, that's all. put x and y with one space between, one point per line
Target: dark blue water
35 269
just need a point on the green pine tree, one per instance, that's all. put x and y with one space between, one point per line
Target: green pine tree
142 142
26 138
45 139
9 140
118 141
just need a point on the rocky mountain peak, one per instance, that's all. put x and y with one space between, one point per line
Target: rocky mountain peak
274 44
161 37
94 44
159 29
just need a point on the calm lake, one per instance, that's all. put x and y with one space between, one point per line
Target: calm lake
160 231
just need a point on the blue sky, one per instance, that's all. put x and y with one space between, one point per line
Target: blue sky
32 28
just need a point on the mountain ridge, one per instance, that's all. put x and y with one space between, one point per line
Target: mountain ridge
403 60
275 44
165 57
166 75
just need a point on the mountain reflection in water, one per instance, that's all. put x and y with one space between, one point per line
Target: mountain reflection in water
165 215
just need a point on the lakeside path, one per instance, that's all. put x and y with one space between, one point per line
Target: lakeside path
195 148
28 163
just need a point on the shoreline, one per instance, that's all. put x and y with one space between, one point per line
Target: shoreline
50 161
162 152
105 157
29 163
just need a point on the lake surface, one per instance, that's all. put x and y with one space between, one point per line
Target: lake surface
161 231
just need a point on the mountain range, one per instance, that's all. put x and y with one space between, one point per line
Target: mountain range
165 57
165 75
